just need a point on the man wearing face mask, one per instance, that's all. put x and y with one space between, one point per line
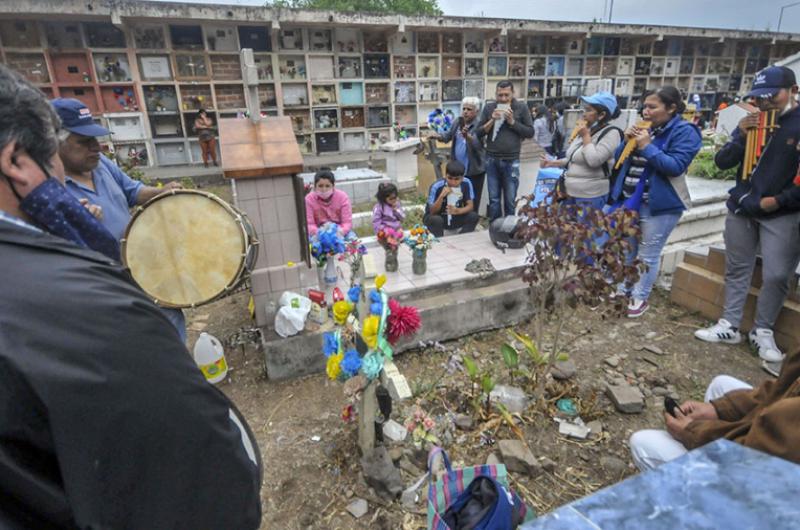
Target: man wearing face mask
105 420
764 212
97 181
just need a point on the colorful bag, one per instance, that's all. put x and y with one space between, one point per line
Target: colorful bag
449 492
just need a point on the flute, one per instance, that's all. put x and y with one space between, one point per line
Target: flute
578 126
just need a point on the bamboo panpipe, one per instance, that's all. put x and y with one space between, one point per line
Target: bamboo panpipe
757 139
631 145
578 126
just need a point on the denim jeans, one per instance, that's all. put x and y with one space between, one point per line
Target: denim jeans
502 176
656 229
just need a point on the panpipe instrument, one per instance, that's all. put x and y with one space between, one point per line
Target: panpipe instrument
580 124
757 139
631 145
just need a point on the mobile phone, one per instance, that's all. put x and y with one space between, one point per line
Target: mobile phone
670 405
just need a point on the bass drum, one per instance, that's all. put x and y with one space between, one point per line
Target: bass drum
187 248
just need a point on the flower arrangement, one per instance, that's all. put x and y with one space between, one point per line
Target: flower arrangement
420 239
326 243
421 427
441 121
353 254
389 238
386 323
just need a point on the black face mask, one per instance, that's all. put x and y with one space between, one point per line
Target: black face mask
55 210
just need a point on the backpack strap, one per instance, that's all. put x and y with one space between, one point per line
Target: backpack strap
605 131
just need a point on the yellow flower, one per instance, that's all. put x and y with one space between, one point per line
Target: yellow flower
290 263
369 331
341 309
380 281
333 367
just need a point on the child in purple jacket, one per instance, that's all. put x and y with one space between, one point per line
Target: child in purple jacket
388 212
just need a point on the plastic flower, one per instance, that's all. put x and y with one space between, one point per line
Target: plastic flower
375 305
329 344
333 367
371 365
348 413
354 293
351 363
369 331
380 281
341 310
402 321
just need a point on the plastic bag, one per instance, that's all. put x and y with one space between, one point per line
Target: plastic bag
291 317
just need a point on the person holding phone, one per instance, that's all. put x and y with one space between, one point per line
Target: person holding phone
467 147
765 418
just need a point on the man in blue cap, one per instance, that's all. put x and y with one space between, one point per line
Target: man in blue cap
94 179
92 176
764 212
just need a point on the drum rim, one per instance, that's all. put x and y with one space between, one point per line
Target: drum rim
245 239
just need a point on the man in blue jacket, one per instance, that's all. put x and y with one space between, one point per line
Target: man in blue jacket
764 211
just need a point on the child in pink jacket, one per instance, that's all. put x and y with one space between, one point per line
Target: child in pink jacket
388 212
327 205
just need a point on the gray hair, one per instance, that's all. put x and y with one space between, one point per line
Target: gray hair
27 118
473 102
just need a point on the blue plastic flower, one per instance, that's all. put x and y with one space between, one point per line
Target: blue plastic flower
329 344
376 305
371 365
354 294
351 363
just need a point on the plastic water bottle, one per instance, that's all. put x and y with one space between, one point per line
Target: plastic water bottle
210 357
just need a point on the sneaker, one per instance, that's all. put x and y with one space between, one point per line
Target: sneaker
722 331
773 369
763 342
637 308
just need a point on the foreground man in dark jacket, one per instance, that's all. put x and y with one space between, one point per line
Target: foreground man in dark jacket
105 421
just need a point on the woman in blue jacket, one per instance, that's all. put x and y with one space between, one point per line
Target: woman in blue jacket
656 171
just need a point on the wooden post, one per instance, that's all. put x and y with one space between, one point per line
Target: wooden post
367 411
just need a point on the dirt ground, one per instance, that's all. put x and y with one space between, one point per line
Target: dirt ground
310 454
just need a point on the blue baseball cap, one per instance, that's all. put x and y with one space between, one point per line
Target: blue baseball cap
604 99
769 81
77 118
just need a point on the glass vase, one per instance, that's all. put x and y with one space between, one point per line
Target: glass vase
419 265
391 260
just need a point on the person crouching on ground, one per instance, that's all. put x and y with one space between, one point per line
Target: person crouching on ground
328 205
766 418
451 203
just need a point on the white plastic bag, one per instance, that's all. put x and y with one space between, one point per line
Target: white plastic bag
291 317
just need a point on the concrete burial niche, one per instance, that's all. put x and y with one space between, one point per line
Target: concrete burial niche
264 160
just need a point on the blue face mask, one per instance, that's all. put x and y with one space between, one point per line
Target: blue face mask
54 210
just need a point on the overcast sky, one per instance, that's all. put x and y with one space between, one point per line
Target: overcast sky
745 14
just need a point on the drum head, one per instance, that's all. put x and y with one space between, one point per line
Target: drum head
185 248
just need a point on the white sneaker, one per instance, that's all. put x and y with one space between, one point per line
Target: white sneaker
637 308
722 331
763 342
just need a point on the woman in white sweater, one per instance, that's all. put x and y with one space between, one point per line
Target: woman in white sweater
589 155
